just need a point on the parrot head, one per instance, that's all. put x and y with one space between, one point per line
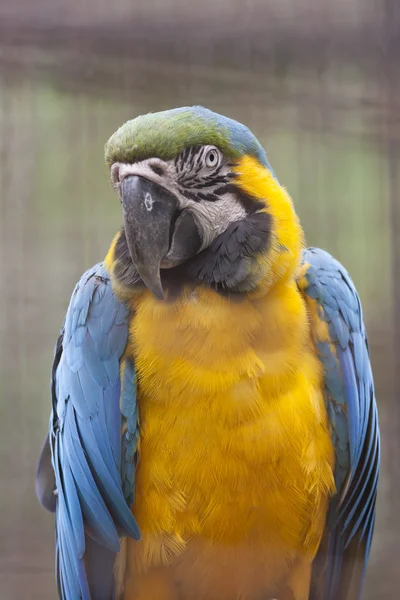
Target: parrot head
195 189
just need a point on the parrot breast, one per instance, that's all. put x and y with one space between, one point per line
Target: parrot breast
235 467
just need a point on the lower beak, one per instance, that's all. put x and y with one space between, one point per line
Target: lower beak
150 212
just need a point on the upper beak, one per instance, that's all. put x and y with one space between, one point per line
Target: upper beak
150 212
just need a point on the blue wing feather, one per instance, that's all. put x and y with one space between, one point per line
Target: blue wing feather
350 399
94 481
129 411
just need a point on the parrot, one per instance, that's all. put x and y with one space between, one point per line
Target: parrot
214 431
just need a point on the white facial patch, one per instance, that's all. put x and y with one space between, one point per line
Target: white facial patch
213 218
161 172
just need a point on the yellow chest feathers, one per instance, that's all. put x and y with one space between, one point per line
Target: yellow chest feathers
234 442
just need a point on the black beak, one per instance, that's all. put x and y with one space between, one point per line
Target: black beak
150 212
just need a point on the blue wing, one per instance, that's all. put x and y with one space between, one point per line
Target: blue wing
341 342
94 483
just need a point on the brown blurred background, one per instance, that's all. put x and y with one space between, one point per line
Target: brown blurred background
318 83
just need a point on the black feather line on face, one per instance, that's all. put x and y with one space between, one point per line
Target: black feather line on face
189 195
215 180
191 181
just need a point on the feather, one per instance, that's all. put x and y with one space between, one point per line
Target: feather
351 407
45 481
85 434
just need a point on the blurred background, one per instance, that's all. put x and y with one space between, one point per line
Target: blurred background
318 83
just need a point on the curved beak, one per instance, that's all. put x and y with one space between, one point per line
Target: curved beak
150 212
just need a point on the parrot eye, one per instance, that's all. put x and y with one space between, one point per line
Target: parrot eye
212 158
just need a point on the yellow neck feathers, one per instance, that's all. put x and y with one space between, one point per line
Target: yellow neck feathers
281 260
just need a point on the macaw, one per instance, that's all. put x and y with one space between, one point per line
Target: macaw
214 431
